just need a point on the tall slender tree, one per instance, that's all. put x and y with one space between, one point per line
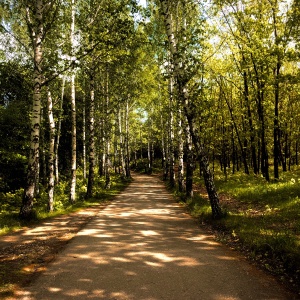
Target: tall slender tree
73 108
181 81
35 15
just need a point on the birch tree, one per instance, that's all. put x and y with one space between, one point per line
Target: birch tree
51 154
180 72
58 132
73 109
92 150
35 14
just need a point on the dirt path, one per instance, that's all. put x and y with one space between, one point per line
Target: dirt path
144 246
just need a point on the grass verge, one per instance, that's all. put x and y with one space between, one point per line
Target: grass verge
261 218
10 203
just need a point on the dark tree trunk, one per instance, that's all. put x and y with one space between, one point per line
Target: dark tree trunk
251 127
276 151
207 174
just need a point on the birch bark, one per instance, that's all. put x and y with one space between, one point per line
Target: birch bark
84 136
73 118
91 138
179 73
51 152
127 150
171 132
180 179
59 130
36 28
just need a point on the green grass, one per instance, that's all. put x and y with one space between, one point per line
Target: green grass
263 218
10 202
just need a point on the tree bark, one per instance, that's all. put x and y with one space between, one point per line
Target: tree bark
127 150
183 97
163 146
122 161
189 163
73 117
107 133
250 120
92 150
243 150
58 133
171 132
180 179
84 136
51 152
37 35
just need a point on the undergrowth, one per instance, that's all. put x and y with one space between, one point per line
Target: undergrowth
10 203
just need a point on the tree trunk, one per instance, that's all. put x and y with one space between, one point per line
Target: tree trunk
252 134
183 96
171 132
42 174
243 150
37 35
116 162
276 150
84 135
260 86
101 164
59 130
73 118
180 152
127 156
149 169
122 161
107 166
135 153
107 133
51 153
163 146
189 163
92 150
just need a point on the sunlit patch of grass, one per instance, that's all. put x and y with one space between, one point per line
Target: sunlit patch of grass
10 203
198 207
261 216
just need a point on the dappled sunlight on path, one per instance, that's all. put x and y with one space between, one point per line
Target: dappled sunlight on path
144 246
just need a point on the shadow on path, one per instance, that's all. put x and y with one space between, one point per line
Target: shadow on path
144 246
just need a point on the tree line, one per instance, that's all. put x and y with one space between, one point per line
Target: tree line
107 86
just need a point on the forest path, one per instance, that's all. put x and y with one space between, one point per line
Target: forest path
144 246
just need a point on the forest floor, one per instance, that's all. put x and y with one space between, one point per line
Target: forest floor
168 245
25 253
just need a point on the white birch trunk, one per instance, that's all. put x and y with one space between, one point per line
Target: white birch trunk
73 118
91 139
37 34
163 164
122 161
56 156
171 133
127 156
84 137
179 73
51 152
180 151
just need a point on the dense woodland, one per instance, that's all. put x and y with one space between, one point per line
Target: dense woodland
102 87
